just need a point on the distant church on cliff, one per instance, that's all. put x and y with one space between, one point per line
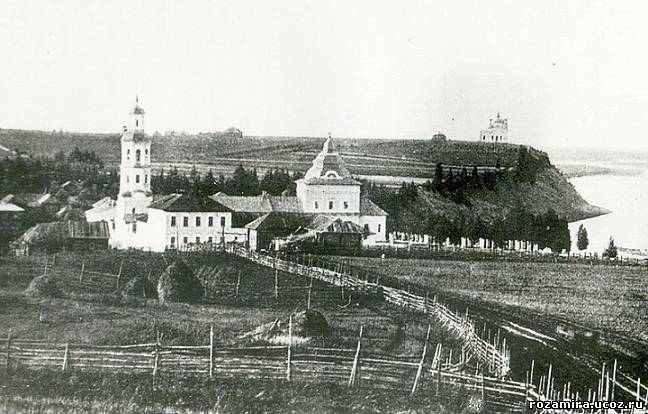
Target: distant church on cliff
497 130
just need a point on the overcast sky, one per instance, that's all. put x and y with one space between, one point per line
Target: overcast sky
565 73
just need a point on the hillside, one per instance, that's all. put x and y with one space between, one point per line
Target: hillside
369 157
550 191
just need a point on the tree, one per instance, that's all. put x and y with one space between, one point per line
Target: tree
581 238
611 251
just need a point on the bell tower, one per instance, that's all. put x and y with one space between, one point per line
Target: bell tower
135 178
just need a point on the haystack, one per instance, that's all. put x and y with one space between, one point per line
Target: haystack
44 285
306 325
178 284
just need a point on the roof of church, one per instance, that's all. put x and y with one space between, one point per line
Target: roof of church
369 208
138 110
266 203
135 136
188 203
329 168
263 203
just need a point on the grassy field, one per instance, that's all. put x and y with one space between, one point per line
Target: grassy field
608 298
112 318
54 393
412 157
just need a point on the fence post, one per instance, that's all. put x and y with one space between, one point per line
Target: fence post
419 371
211 351
156 359
8 355
288 362
238 283
119 273
613 379
82 270
276 287
310 288
356 361
65 357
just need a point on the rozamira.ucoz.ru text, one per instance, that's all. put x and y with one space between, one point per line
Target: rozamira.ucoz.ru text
585 405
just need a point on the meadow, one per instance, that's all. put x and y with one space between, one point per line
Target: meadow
602 297
89 316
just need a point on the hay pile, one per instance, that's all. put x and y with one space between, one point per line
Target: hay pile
178 284
306 326
44 285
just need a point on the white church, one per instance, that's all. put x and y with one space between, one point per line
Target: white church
328 207
497 130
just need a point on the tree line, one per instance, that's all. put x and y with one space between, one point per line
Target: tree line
242 182
409 214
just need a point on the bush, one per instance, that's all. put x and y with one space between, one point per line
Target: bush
44 285
178 284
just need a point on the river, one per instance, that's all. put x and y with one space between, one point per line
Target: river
627 198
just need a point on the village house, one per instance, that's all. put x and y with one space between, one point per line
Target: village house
327 211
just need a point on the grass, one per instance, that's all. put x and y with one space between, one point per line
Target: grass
48 392
609 298
107 318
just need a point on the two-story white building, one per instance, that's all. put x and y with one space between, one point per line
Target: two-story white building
328 206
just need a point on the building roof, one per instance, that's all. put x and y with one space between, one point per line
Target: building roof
329 167
327 224
263 203
280 221
135 136
187 203
62 230
369 208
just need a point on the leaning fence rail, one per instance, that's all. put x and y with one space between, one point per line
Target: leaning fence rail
494 357
409 373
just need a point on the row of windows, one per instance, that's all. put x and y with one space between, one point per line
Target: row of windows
138 154
185 240
197 221
366 227
330 205
493 137
137 178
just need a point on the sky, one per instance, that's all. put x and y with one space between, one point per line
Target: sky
565 73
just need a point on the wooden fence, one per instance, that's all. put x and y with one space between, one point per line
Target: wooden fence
493 356
353 367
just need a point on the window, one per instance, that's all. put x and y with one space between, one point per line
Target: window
379 228
222 221
366 228
172 240
133 211
145 178
330 205
137 122
346 205
197 239
316 205
210 239
127 179
173 221
137 178
185 240
210 221
135 227
185 222
197 221
145 151
128 154
138 155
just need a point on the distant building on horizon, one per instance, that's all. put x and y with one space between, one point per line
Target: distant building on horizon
497 130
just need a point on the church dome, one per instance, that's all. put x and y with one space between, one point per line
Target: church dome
328 164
